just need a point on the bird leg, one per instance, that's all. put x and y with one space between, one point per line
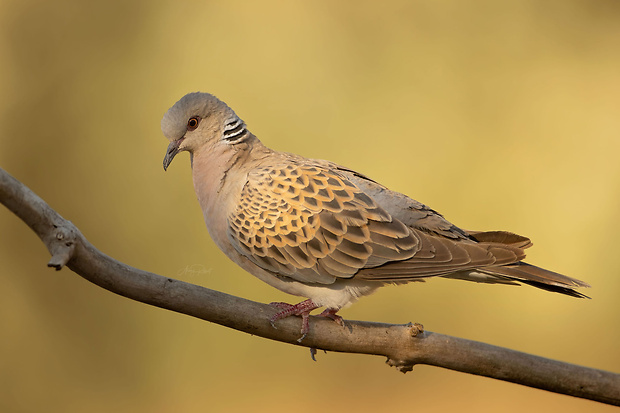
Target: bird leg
302 309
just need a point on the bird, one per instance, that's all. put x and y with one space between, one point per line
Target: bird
324 232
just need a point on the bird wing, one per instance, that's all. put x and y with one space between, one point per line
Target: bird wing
410 212
311 223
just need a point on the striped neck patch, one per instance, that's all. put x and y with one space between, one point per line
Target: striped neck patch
235 131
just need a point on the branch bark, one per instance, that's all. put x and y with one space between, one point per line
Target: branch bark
403 345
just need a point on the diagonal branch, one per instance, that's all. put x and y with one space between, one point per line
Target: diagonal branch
403 345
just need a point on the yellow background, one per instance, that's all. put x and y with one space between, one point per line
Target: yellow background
500 115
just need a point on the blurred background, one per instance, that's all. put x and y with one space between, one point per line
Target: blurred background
500 115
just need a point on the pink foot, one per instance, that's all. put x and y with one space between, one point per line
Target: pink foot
331 313
303 309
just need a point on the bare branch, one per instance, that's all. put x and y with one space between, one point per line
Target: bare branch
403 345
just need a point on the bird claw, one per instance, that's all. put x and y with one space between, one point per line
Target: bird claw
313 351
281 306
280 315
303 335
331 313
302 309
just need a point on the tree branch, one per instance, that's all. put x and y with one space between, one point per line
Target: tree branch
403 345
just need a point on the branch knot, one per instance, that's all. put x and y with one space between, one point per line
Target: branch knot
62 244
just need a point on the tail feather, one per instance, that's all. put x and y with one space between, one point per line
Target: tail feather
538 277
501 237
492 257
553 288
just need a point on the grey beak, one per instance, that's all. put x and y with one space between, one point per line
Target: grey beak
171 152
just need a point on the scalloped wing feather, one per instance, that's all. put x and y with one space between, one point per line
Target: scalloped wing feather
313 225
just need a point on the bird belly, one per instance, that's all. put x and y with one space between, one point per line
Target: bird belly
339 294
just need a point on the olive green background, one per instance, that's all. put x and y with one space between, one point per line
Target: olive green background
499 114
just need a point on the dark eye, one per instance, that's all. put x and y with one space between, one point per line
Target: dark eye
193 122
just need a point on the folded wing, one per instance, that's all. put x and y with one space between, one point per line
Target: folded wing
311 223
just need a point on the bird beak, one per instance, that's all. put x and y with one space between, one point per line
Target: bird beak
171 152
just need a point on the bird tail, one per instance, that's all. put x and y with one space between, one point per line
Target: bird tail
521 272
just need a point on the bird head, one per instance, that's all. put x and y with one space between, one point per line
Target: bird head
200 120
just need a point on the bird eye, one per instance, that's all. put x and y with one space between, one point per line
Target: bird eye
193 122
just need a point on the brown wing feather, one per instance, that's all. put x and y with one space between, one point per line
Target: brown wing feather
440 256
501 237
313 225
